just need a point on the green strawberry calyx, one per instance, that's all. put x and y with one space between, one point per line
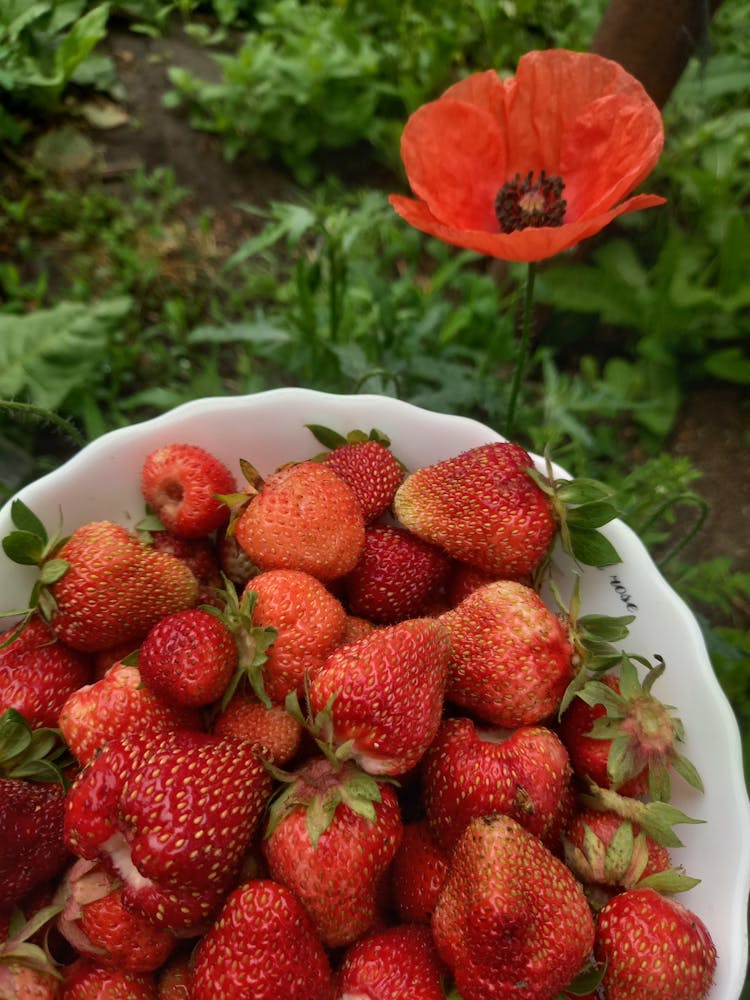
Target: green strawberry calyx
643 730
31 545
252 641
17 949
621 862
581 507
319 787
31 754
657 819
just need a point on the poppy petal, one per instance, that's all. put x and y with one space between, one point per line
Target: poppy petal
484 90
623 139
552 88
454 155
524 245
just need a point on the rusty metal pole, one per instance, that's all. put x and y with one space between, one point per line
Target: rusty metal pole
654 39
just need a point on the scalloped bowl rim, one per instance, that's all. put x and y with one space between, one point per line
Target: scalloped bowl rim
101 480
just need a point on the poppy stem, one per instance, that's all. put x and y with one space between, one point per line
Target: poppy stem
523 349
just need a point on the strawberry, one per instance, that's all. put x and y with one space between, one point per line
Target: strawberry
200 557
417 874
27 971
331 836
305 517
308 621
472 771
383 696
608 854
87 979
482 507
465 578
621 737
355 628
174 978
117 704
32 798
510 913
391 964
511 660
262 945
183 484
653 947
273 732
171 817
96 922
102 585
38 672
397 576
188 658
367 464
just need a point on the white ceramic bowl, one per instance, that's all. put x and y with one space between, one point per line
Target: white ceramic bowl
102 481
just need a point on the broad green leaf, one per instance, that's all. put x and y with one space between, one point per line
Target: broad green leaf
48 353
23 548
84 34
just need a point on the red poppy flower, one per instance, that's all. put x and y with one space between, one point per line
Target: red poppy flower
525 167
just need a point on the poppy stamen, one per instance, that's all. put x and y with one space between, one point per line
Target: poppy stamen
523 202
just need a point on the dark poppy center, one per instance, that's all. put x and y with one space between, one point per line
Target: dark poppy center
524 202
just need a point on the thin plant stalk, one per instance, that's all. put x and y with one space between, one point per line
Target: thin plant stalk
522 354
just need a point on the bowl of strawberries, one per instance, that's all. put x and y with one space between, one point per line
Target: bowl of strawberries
320 694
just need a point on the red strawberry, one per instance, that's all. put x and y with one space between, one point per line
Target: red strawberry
113 587
182 484
608 854
511 660
272 731
188 658
38 672
96 922
653 947
510 912
472 771
117 704
32 797
355 628
620 736
27 972
86 979
384 694
330 839
263 945
201 558
305 517
398 576
482 507
465 579
171 817
417 874
392 964
174 978
309 623
370 468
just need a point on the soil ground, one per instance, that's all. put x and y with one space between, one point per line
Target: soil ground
714 427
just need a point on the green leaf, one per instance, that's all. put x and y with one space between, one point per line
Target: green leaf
53 570
26 520
84 34
592 515
326 436
687 771
15 734
591 548
46 354
672 880
23 548
574 492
